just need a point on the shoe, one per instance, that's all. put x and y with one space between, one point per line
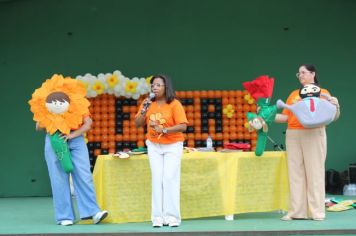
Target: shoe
319 219
173 224
286 218
66 222
100 216
157 224
229 217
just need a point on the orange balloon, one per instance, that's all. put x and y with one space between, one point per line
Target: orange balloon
104 138
197 122
118 137
104 145
211 94
219 136
112 150
212 129
126 137
232 122
97 152
240 136
233 136
196 94
211 122
140 137
191 143
225 101
203 94
104 124
111 116
197 115
111 137
140 143
246 107
189 94
190 115
111 109
247 135
218 93
112 144
90 137
232 101
232 129
240 122
211 108
204 136
133 137
111 124
133 109
197 136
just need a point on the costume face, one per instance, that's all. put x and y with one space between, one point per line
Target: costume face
57 103
309 90
158 87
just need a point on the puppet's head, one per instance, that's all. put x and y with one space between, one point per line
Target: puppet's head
309 90
59 104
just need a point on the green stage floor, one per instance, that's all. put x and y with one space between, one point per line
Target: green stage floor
35 216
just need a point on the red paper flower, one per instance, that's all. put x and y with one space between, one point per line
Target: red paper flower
261 87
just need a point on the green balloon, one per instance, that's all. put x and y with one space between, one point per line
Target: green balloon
268 113
61 149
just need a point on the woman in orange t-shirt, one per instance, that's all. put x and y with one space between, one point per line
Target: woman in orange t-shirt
306 152
166 121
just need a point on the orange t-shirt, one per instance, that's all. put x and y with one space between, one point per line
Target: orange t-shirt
167 115
294 97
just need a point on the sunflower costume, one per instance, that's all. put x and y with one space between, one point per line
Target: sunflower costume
59 106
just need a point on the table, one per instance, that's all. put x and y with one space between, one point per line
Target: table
212 184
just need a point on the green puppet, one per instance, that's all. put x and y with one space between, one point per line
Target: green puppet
261 90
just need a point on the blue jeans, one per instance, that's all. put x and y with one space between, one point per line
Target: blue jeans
82 180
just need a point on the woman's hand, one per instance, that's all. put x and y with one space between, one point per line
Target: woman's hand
146 103
334 101
158 129
66 137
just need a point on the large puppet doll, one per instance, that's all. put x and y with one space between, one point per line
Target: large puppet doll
261 90
311 111
58 107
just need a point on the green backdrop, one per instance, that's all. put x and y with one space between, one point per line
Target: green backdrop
201 44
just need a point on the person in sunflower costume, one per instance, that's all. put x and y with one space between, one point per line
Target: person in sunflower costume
61 109
166 121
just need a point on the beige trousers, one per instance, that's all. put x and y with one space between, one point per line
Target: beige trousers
306 153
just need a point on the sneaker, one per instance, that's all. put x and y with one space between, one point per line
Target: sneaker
173 224
229 217
66 222
157 222
286 218
100 216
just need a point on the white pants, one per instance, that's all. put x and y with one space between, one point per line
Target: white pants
306 151
165 162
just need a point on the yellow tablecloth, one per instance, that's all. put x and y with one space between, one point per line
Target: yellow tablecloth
212 184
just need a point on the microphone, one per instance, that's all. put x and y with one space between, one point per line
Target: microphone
147 103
